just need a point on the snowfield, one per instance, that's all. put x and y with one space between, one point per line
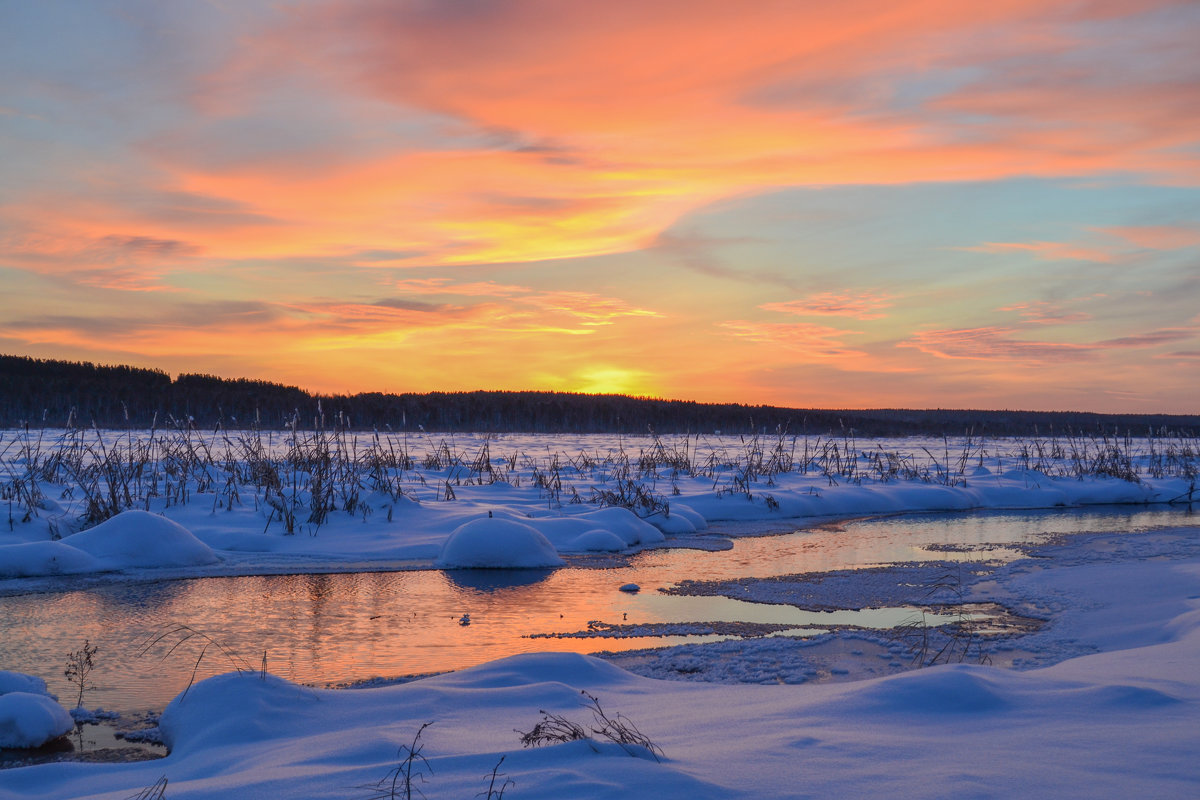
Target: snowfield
1119 719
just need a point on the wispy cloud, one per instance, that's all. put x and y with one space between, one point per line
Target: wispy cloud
862 306
592 308
998 343
1040 312
445 131
815 342
1049 251
1158 237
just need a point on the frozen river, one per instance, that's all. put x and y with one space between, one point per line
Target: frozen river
343 627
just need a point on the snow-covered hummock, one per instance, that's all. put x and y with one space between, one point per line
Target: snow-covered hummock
142 539
129 540
496 543
29 715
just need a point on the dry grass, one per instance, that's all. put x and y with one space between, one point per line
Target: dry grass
300 478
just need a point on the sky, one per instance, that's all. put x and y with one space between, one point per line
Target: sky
927 203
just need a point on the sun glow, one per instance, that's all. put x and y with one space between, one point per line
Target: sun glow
803 204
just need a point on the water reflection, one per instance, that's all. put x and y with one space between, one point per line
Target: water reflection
344 627
491 580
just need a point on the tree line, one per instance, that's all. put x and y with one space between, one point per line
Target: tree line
51 393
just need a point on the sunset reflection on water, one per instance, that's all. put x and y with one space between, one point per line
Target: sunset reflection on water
337 628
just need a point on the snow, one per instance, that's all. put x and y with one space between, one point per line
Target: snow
20 682
129 540
494 543
191 526
1115 712
142 539
29 716
1119 721
26 559
596 541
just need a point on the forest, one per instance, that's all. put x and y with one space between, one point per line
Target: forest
56 394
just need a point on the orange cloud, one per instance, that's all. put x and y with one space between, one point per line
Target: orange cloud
557 130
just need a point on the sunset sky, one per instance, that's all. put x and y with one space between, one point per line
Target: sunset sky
851 204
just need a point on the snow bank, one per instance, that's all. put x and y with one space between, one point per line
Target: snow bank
142 539
496 543
29 559
31 720
130 540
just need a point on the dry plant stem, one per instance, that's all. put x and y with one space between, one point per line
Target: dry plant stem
494 792
619 729
401 781
180 634
156 792
79 668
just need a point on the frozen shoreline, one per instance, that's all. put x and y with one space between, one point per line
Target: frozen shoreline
320 503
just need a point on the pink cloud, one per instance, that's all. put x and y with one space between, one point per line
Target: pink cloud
817 342
1039 312
1048 251
996 343
862 306
515 97
449 286
594 309
1158 237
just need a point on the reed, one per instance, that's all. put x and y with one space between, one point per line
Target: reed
301 478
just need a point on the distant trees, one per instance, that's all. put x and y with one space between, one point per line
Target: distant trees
37 391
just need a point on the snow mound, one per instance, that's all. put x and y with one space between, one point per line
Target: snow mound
673 524
953 689
142 539
20 682
493 543
596 541
690 514
527 669
624 523
31 720
235 708
29 559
